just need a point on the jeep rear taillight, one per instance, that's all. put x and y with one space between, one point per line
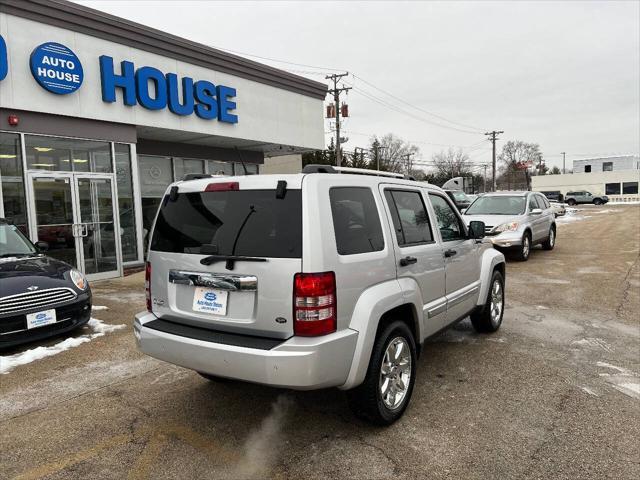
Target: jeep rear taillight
314 304
147 284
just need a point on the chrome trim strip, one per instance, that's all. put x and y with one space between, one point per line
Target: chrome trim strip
461 296
221 281
37 292
436 307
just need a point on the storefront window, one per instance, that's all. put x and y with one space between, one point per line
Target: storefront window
183 166
612 189
630 188
220 168
125 203
252 169
155 175
67 154
15 207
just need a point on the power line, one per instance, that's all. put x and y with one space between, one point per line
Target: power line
395 108
416 107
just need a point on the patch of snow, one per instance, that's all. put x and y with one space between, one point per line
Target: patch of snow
571 218
589 391
591 269
542 307
630 389
9 362
593 342
99 307
623 371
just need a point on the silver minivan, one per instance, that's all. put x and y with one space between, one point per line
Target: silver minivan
515 221
321 279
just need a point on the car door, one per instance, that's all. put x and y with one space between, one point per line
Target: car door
462 267
535 220
547 214
419 256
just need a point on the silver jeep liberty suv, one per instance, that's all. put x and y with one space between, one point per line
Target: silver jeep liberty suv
333 277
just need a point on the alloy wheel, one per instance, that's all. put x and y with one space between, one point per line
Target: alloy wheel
395 373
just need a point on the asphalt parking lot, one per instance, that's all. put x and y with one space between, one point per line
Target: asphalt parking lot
554 394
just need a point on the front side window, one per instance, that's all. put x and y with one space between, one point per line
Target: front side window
532 203
409 215
542 202
497 205
355 220
630 188
448 221
13 243
612 189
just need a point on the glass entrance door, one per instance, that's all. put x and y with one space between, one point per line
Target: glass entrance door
97 229
53 198
75 214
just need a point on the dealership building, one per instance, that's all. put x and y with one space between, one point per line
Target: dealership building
99 114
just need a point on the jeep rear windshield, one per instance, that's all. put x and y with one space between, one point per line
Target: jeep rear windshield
255 221
497 205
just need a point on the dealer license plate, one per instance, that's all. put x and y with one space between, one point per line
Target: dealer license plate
39 319
210 300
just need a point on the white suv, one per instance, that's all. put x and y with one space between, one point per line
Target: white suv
328 278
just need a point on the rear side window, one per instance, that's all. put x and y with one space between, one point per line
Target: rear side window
246 222
355 220
409 215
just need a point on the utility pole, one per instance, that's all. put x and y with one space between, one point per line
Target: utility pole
484 179
376 152
408 163
493 136
563 165
336 98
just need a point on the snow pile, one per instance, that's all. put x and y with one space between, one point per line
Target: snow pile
99 307
9 362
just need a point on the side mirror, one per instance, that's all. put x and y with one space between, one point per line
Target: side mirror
476 229
42 246
536 211
462 211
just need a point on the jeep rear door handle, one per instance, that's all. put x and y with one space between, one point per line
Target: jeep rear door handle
449 253
407 261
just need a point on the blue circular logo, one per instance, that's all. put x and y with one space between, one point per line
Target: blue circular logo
56 68
210 296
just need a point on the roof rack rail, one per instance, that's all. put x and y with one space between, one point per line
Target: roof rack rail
196 176
315 168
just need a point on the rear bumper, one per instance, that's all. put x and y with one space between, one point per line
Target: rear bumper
302 363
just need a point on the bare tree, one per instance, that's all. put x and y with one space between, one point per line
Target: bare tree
451 163
392 152
516 159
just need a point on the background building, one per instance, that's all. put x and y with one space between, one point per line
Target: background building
617 177
99 114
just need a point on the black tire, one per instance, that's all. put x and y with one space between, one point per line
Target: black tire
597 201
483 319
571 202
524 250
213 378
550 242
366 400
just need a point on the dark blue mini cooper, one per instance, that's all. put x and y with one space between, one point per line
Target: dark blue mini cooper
39 296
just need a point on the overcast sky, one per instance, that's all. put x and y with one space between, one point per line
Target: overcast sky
565 75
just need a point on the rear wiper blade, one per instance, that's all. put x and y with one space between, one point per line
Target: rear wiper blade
230 259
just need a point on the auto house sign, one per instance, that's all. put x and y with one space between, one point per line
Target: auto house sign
56 68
